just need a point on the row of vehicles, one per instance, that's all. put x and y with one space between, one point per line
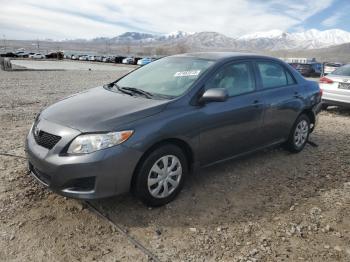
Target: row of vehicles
33 55
96 58
113 59
315 69
334 81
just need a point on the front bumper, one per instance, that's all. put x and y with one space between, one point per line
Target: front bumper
99 174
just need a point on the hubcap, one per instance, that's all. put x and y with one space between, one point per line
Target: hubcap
164 176
300 133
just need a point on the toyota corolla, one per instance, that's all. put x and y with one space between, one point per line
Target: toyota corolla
146 132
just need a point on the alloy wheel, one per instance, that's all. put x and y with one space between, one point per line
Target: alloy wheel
164 176
301 132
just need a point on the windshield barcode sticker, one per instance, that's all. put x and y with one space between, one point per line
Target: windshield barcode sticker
187 73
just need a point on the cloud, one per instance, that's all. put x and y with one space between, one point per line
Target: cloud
60 19
333 20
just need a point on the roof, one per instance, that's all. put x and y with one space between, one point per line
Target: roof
219 55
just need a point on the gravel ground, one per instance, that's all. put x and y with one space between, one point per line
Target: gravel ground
270 206
70 65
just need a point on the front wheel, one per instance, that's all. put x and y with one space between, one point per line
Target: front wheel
299 134
160 177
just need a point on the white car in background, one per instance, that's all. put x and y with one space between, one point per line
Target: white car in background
37 56
336 88
128 60
91 58
83 58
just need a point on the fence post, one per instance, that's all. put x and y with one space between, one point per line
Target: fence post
5 64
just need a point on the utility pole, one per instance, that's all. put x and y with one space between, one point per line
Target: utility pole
38 45
4 39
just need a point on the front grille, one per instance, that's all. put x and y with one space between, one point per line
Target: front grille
45 139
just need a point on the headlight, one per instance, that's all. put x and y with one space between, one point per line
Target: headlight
89 143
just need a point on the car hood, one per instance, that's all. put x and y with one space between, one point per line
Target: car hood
99 109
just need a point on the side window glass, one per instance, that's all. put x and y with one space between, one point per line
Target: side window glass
272 74
237 78
290 79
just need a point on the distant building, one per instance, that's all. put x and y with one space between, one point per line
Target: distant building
300 60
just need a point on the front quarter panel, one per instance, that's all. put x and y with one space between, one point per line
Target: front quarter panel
176 122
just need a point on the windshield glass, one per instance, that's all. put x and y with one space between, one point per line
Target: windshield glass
169 77
342 71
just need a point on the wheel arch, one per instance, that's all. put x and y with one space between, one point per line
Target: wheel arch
311 115
183 145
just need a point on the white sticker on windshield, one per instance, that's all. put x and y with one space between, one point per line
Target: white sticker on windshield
187 73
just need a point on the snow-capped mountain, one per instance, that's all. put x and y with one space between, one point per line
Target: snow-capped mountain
269 40
272 34
137 37
177 34
310 39
211 40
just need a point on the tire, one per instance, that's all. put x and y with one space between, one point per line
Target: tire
324 106
152 178
299 134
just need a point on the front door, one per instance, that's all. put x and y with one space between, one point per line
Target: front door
231 127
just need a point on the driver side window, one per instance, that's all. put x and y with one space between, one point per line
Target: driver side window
236 78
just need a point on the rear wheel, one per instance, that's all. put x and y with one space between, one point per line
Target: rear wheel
161 175
299 134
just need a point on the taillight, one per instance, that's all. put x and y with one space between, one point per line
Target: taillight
325 80
320 92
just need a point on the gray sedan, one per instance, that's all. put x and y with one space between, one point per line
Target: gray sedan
147 131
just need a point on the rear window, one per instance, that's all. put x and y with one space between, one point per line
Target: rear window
342 71
274 75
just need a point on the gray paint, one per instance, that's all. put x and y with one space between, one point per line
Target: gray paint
214 131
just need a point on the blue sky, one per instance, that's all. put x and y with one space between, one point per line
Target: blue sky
67 19
334 16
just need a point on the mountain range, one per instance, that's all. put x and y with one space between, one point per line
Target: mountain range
270 40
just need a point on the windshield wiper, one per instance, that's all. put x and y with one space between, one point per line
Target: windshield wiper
114 85
135 90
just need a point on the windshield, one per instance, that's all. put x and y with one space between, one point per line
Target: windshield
342 71
167 77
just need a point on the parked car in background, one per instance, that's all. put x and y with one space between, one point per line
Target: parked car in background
128 60
294 65
55 55
336 88
98 58
328 68
37 56
22 54
74 57
9 54
145 131
83 58
145 61
310 70
106 59
119 59
91 58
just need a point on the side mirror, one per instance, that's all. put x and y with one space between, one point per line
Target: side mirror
214 95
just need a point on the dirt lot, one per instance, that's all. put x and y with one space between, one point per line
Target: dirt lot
270 206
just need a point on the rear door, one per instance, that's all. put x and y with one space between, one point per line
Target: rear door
282 99
231 127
